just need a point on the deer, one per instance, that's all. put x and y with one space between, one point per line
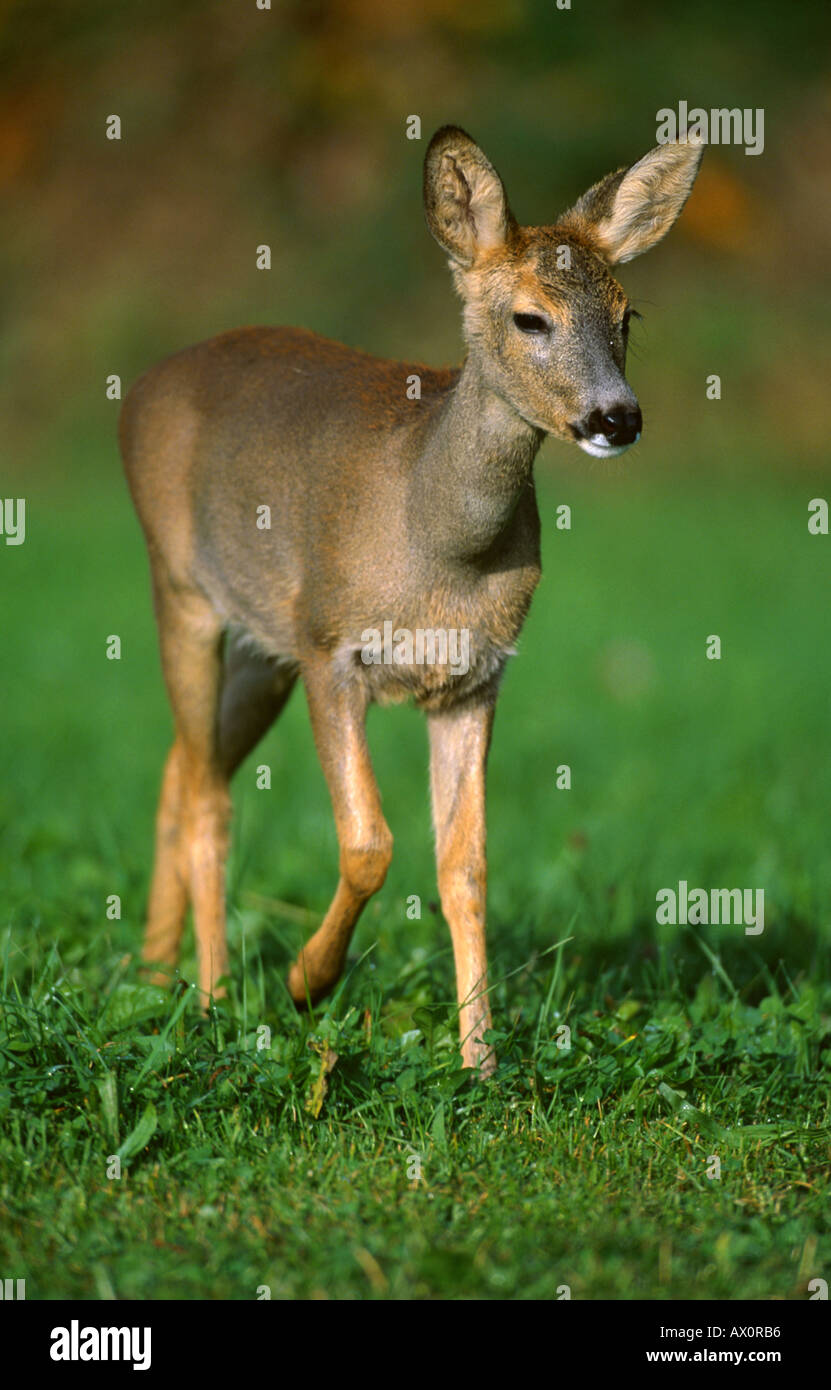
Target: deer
384 505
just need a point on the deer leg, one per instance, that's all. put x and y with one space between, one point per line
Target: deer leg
168 891
192 823
338 714
459 742
253 692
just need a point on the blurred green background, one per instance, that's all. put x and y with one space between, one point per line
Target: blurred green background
288 127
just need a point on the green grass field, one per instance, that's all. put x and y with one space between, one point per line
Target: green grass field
247 1165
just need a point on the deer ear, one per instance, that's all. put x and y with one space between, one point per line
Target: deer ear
631 210
464 200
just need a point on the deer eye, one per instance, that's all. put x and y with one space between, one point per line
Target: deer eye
531 323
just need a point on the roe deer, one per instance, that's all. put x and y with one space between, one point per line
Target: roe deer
384 509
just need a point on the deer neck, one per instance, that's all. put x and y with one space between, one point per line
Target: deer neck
476 462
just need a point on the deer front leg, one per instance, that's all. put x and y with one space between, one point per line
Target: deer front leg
459 742
338 714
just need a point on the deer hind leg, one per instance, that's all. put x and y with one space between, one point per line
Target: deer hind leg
459 742
169 888
222 706
192 822
338 714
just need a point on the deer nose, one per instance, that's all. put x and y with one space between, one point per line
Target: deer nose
621 424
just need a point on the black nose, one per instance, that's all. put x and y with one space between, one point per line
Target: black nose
621 424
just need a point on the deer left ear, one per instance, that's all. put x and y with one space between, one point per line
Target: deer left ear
464 199
631 210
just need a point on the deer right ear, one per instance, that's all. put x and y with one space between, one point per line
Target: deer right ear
629 211
464 199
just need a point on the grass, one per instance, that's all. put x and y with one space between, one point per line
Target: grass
346 1155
